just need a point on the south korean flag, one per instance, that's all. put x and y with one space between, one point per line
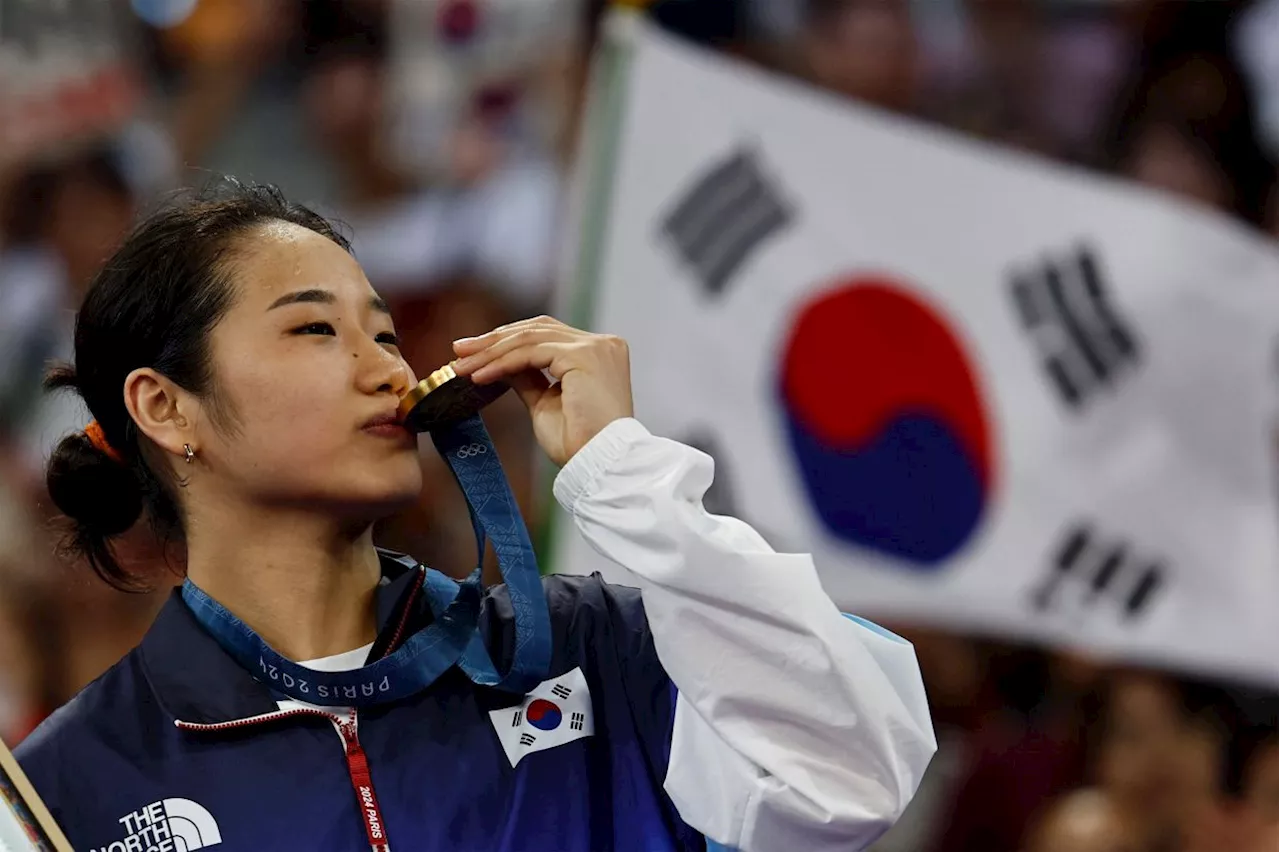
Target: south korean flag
556 712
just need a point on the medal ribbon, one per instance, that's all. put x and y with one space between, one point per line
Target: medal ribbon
452 637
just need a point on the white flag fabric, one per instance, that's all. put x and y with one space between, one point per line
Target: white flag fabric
987 392
558 711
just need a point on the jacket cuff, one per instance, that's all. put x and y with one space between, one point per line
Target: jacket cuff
578 478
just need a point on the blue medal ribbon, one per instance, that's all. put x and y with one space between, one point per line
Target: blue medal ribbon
452 637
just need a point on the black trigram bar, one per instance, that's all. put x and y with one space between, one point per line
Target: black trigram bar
577 720
1083 342
1094 572
1147 584
517 719
527 739
728 212
1064 561
1106 571
561 691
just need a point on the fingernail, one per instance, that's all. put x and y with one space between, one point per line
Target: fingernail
461 364
462 341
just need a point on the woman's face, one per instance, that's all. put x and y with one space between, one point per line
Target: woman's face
307 361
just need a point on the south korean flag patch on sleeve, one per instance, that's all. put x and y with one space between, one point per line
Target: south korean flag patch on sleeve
556 712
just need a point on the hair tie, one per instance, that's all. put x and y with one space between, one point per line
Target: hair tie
99 440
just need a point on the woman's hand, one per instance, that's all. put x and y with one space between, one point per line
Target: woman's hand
592 373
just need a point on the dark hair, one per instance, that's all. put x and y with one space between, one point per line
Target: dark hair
153 305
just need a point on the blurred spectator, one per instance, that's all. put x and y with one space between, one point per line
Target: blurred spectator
66 218
1168 153
864 49
1188 129
1084 821
1086 49
1035 75
1025 748
1005 85
1262 781
218 53
490 205
1162 758
1143 752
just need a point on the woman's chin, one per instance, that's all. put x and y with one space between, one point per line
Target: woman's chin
387 495
364 512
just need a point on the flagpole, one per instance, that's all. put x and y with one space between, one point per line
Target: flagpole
597 150
1275 434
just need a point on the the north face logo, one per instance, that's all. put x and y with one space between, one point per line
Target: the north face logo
170 825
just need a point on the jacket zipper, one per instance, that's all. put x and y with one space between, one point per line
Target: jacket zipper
362 781
357 762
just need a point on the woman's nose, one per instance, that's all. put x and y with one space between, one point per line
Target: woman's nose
383 370
399 381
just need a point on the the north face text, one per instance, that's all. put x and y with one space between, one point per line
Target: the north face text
170 825
147 830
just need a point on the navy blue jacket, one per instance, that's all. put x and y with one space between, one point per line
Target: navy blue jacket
119 773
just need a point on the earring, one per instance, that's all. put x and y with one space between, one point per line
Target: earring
191 454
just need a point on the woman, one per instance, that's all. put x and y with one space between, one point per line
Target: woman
243 376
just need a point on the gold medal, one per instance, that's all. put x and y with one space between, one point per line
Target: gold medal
443 398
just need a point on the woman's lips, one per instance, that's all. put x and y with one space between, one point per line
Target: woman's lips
388 425
391 429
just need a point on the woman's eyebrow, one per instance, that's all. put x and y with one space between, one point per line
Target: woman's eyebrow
323 297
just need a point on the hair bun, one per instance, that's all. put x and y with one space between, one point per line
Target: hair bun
102 496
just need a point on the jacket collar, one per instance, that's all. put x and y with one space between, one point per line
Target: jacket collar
196 681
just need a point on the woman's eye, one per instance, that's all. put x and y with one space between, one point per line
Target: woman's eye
389 337
316 328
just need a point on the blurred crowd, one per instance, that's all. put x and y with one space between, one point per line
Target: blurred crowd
442 133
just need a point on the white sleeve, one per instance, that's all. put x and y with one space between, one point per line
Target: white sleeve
796 727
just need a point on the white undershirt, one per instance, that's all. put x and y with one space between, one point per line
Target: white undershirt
344 662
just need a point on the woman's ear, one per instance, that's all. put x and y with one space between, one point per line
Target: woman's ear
163 411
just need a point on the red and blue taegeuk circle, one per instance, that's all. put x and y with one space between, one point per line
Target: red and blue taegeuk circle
544 715
886 423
